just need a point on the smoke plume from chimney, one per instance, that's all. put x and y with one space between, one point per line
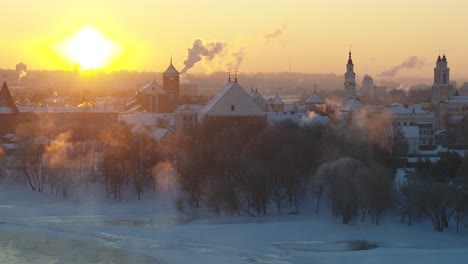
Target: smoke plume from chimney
200 50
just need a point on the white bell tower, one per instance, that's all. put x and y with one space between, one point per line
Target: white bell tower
350 79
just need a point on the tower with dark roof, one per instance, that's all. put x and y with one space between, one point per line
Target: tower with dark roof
441 89
350 79
171 85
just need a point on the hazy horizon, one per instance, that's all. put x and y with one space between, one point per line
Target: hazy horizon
389 39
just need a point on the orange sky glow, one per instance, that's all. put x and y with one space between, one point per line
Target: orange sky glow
267 36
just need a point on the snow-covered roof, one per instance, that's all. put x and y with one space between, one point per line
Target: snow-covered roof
160 133
315 99
232 100
411 109
454 119
258 99
9 136
351 105
189 108
301 118
55 100
290 108
410 131
138 128
171 70
10 146
277 101
7 105
462 99
135 108
146 119
66 109
151 88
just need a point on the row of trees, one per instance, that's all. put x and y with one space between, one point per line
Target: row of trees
437 191
353 188
249 167
115 157
252 168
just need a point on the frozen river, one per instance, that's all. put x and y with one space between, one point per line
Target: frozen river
41 228
19 248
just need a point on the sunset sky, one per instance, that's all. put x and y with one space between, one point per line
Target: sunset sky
314 36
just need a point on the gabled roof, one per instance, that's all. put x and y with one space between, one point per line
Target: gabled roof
160 133
277 101
171 70
315 99
189 108
351 105
151 88
258 99
401 109
232 94
7 105
138 128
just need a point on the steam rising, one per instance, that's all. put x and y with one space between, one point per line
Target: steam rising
276 33
412 62
314 119
164 176
200 50
236 61
57 152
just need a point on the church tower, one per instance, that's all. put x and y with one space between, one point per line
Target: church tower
350 79
171 85
441 89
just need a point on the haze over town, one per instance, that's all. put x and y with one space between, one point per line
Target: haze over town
233 132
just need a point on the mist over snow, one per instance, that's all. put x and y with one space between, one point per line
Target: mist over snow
86 228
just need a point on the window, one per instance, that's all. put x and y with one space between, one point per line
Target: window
232 108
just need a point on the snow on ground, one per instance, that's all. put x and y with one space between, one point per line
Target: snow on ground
41 228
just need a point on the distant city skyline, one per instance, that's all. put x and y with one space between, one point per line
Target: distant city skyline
390 39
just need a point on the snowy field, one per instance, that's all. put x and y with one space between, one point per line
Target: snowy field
41 228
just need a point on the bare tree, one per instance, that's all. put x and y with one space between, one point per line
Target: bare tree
143 157
437 202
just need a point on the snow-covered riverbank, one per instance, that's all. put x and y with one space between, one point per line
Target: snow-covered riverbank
40 228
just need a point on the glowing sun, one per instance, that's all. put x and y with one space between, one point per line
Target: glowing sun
89 48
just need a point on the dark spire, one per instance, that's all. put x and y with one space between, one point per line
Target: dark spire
439 59
444 58
235 75
6 100
229 80
350 61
